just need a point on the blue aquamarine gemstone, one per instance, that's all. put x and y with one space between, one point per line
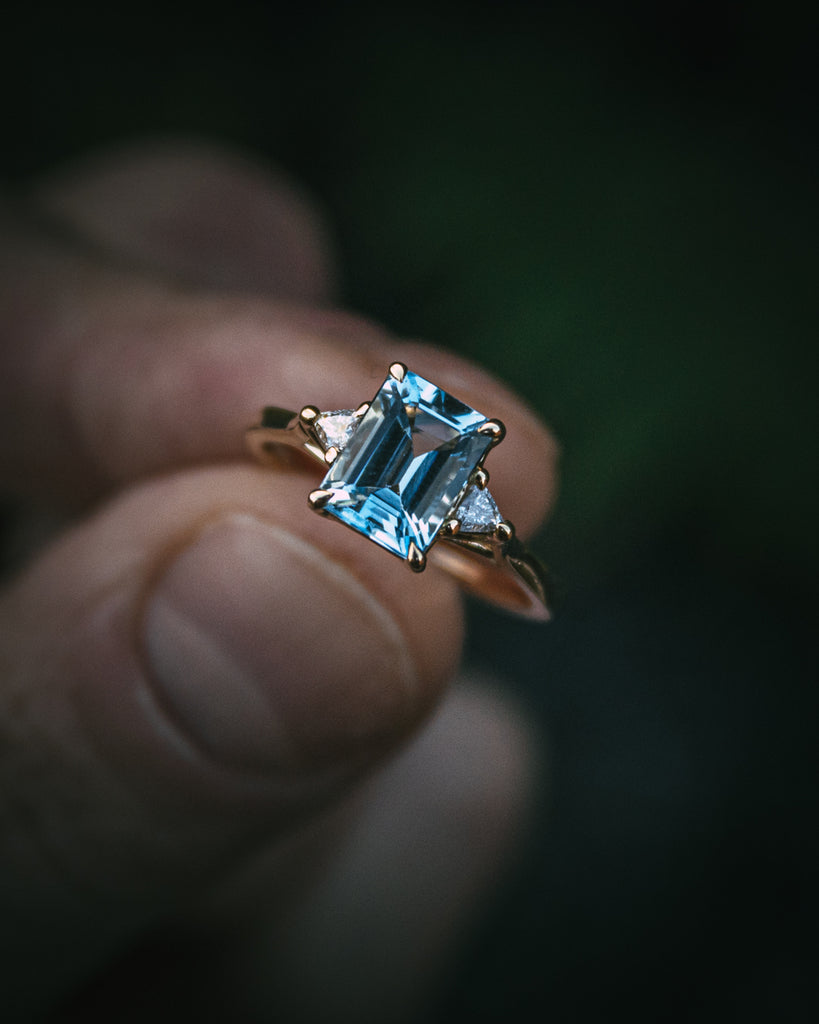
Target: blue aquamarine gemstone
406 465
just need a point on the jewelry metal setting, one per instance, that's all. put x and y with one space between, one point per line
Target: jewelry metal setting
406 470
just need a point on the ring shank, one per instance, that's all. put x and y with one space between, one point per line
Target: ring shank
518 583
276 441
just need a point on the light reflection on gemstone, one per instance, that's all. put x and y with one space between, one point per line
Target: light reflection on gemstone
407 464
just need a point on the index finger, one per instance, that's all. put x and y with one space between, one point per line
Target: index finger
111 376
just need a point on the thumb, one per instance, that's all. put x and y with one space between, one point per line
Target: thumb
186 675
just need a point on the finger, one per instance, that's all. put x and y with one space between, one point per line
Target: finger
196 212
358 914
188 672
429 846
112 377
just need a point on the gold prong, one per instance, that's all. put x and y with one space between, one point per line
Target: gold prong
416 558
450 527
495 429
361 409
318 499
398 371
308 416
480 478
331 455
504 531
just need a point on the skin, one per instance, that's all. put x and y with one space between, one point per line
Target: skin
232 757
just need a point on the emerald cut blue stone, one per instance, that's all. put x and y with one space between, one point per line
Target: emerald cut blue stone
406 465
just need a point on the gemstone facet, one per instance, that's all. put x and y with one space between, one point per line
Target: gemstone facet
407 465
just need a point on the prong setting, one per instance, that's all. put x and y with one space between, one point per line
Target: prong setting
504 531
416 559
398 371
308 416
494 429
331 455
480 478
450 528
318 499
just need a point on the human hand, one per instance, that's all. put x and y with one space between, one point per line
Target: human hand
203 682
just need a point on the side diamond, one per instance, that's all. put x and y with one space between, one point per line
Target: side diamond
477 512
336 428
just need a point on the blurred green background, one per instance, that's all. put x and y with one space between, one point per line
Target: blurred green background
613 207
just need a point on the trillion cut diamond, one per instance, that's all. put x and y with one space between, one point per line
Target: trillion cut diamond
407 465
478 512
335 428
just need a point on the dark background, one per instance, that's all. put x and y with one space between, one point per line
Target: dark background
613 207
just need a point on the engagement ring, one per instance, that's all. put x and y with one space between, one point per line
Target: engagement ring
407 471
